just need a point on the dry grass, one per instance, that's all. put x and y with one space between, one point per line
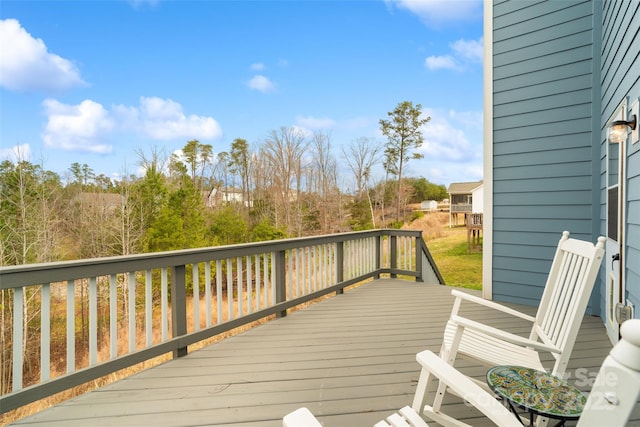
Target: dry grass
432 224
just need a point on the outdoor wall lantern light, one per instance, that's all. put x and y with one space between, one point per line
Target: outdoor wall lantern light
618 129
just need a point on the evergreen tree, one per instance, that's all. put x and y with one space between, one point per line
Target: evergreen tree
404 134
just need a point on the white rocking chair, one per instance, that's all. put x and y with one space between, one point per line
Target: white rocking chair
614 395
554 328
408 416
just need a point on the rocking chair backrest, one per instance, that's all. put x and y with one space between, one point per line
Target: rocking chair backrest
566 294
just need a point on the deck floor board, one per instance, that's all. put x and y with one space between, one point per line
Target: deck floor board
350 359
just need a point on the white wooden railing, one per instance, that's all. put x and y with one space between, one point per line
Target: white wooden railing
120 311
460 207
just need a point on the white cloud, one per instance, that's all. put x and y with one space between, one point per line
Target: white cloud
261 83
470 50
258 66
443 142
164 119
81 127
310 122
446 62
26 64
464 53
446 142
439 12
469 119
88 125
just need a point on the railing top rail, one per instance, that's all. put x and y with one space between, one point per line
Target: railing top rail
13 276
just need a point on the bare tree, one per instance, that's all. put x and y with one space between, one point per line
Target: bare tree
29 233
323 180
283 150
360 156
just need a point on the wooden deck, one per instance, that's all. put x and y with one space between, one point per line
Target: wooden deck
350 359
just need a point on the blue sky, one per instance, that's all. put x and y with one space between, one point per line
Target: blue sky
97 81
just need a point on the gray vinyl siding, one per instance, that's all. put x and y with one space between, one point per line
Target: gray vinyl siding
621 78
545 170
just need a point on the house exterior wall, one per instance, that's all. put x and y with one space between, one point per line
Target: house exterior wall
559 70
621 80
477 200
546 132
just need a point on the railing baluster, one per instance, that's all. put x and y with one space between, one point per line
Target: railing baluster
394 255
195 274
71 335
93 321
164 302
339 265
229 289
370 254
148 308
45 332
219 291
377 260
249 285
113 316
360 257
324 277
258 287
289 273
315 268
18 337
240 297
273 279
280 282
265 281
298 272
303 271
132 311
207 291
178 307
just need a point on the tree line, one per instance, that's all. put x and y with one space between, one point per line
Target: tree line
288 185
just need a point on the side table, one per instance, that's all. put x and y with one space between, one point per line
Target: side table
537 392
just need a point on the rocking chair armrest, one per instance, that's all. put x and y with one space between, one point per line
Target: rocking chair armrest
503 335
491 304
465 387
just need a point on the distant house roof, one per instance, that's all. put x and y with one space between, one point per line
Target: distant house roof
463 187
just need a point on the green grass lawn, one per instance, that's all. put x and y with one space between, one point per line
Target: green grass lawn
457 266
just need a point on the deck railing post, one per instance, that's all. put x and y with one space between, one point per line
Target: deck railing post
178 307
281 280
394 254
378 255
340 265
419 244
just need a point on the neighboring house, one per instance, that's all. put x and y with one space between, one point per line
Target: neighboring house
465 198
557 73
216 197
